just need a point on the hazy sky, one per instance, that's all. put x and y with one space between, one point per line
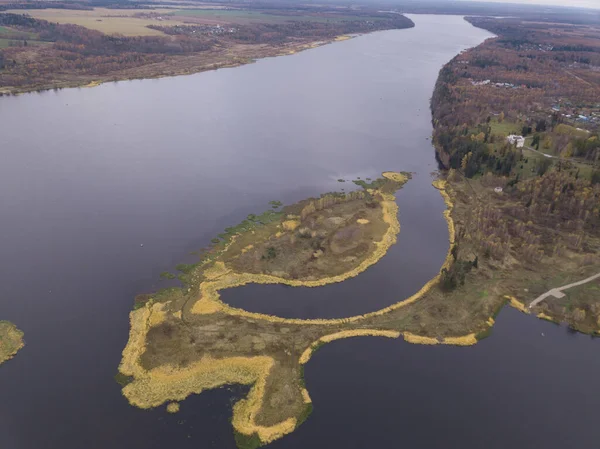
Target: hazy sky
582 3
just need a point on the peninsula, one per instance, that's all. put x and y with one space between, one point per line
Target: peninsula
523 229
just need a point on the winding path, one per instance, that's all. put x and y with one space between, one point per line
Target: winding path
543 154
558 292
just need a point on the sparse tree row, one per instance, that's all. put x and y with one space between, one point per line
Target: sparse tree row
328 200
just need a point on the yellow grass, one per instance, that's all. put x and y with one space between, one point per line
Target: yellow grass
362 221
307 354
216 271
395 176
305 396
290 225
420 340
136 345
157 314
104 20
167 383
490 321
343 38
206 307
543 316
517 304
173 407
221 278
466 340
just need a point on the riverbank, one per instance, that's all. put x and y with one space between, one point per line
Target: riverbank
11 341
44 55
234 56
534 217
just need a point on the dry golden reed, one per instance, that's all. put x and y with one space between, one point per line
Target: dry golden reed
290 225
224 278
167 383
420 340
173 407
395 176
465 340
305 396
306 355
517 304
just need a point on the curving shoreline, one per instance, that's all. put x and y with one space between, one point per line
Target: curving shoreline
153 387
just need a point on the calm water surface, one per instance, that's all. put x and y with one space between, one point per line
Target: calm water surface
88 176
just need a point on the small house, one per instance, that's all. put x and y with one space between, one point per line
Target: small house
519 141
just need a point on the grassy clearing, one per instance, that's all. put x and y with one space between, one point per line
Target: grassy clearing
109 21
246 16
580 307
505 128
4 43
10 33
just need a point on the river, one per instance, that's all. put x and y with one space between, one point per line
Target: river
102 189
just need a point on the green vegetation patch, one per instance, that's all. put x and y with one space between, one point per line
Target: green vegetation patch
122 379
504 128
11 340
305 414
246 441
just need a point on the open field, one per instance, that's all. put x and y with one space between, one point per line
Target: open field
247 16
134 22
504 128
109 21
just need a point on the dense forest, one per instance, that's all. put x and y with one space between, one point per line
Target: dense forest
537 81
280 33
516 128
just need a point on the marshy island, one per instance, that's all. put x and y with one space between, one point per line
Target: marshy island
186 340
11 341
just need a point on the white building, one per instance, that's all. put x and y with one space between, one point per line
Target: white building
519 141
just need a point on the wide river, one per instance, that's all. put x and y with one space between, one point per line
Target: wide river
102 189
